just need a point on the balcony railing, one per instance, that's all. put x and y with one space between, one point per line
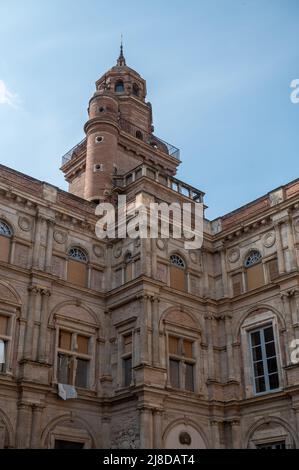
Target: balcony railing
143 170
73 152
150 139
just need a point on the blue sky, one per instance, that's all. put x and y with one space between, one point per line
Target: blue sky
218 75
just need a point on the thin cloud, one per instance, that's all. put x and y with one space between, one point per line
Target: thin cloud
8 98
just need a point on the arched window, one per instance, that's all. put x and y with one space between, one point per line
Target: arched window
177 272
5 239
119 87
139 135
77 266
135 89
128 267
254 270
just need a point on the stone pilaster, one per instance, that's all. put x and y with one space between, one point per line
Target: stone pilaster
49 247
42 354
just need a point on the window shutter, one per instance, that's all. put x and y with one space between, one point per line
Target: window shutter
173 345
3 325
82 344
64 369
76 272
255 276
177 278
188 348
65 340
4 248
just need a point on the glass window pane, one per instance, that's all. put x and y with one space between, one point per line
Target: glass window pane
273 381
272 365
64 369
270 349
257 353
255 338
268 334
174 373
260 385
189 377
258 368
2 354
127 371
81 373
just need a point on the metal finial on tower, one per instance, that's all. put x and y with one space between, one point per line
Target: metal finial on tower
121 60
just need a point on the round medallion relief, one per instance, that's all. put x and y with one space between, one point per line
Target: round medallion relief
160 244
25 224
185 438
233 255
269 239
117 251
60 237
98 250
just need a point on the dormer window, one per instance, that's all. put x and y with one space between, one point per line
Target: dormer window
119 87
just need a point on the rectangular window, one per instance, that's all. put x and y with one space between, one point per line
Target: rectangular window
189 378
273 269
237 284
264 360
181 363
127 371
4 342
81 373
272 445
73 359
174 369
3 325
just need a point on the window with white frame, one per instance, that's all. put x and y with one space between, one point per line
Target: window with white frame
73 359
264 359
181 363
127 349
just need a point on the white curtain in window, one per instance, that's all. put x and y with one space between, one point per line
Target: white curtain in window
2 352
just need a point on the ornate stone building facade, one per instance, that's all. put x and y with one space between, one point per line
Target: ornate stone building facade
141 343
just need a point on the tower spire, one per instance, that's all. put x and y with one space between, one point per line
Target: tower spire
121 59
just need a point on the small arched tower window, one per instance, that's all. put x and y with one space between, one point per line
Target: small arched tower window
135 89
5 240
254 270
119 86
177 272
139 135
128 267
77 266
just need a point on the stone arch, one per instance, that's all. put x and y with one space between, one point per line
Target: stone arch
173 430
175 313
8 294
69 421
9 435
267 421
84 309
253 309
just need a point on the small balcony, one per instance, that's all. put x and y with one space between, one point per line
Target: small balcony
122 181
74 152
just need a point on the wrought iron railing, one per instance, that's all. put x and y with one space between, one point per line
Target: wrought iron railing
150 139
73 152
136 132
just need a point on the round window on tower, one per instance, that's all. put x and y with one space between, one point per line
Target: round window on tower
99 139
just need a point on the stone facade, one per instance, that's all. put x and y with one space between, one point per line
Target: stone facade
159 355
